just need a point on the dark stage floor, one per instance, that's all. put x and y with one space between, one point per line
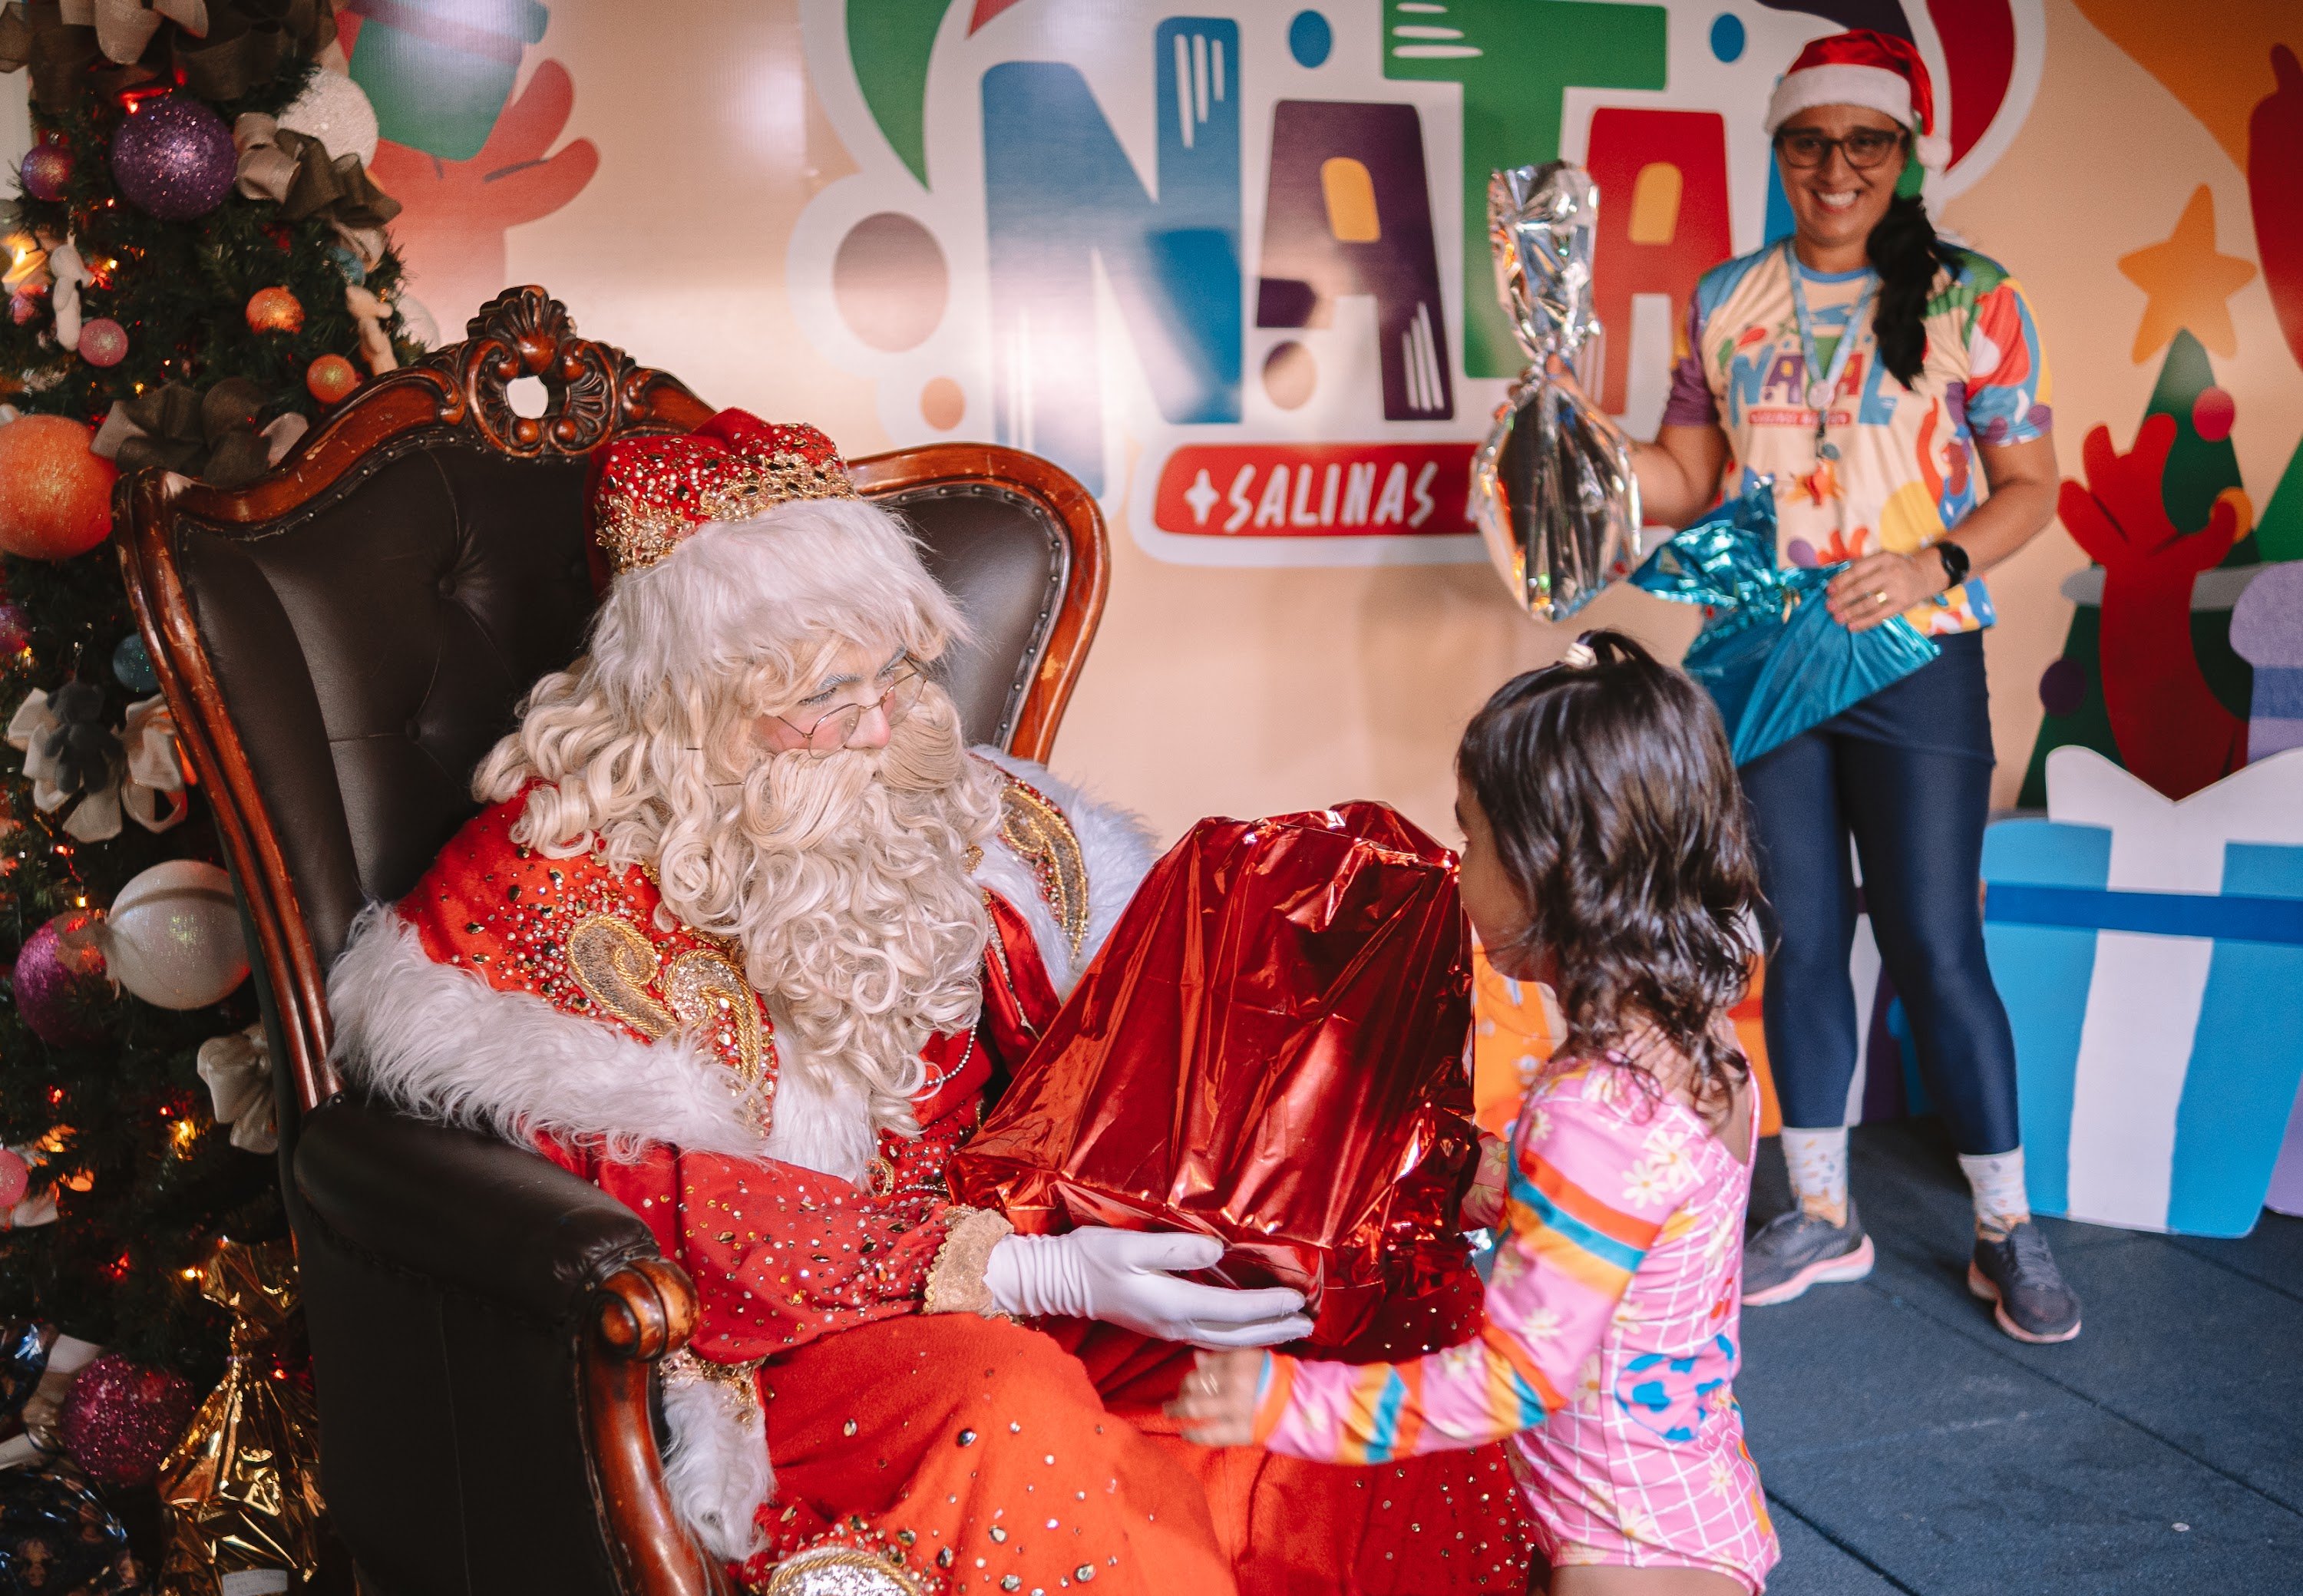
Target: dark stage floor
1907 1445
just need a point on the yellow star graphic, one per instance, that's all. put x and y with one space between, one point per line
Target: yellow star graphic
2188 282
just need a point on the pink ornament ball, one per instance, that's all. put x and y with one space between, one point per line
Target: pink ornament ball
120 1418
174 158
15 1180
103 342
62 989
22 307
46 169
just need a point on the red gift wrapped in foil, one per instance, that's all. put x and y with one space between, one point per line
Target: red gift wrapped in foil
1268 1051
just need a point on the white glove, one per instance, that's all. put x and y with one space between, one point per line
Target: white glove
1120 1277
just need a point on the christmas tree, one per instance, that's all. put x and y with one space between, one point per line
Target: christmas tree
197 270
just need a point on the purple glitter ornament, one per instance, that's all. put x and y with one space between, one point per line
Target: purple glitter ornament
62 989
48 168
120 1418
15 629
174 158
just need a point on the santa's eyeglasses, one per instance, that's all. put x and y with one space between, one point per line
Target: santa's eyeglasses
899 687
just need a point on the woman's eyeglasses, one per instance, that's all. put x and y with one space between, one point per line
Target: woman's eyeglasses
832 730
1804 150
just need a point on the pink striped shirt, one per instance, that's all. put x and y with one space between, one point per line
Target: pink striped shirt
1609 1350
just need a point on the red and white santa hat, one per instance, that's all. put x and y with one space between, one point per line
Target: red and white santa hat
1861 67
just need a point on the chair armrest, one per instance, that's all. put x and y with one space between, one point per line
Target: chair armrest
481 1217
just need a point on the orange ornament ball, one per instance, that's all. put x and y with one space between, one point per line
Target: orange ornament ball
55 497
330 377
274 310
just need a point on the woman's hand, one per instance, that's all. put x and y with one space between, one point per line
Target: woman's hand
1880 587
1217 1404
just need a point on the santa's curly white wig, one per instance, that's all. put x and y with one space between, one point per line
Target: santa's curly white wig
845 880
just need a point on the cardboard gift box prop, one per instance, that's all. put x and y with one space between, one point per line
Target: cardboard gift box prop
1269 1050
2150 953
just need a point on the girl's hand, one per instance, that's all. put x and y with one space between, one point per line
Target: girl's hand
1217 1404
1483 1204
1879 586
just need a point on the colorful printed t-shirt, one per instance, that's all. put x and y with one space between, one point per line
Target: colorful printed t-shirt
1906 471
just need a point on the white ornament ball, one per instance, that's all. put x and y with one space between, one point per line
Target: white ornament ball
173 936
415 321
334 110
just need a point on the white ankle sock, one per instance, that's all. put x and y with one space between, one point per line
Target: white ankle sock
1996 1178
1817 1161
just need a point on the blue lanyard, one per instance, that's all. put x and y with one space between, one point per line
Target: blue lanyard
1820 402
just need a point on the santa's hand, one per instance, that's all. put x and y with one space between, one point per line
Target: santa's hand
1122 1278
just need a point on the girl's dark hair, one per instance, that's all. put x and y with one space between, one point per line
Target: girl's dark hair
1616 813
1906 253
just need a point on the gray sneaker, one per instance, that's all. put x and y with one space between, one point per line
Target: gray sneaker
2018 1274
1796 1250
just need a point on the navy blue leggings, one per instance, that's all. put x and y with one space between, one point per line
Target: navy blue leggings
1908 774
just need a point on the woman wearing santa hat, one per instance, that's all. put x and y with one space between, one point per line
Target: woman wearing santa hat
1893 386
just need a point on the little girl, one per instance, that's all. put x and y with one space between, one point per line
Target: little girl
1604 854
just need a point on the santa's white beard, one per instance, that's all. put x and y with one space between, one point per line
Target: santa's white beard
846 883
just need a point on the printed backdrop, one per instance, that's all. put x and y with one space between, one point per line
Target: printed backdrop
1226 262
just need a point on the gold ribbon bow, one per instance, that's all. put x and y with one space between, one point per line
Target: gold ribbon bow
211 435
218 49
296 173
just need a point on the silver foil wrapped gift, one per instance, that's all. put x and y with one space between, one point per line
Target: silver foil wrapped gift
1552 485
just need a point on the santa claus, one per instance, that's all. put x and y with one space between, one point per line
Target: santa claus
744 936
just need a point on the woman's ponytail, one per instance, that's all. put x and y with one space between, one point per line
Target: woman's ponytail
1906 253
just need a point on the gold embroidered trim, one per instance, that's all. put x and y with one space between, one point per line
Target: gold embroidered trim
711 995
637 534
846 1569
685 1368
955 1282
613 962
1037 833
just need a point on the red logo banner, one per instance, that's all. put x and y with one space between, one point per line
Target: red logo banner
1316 490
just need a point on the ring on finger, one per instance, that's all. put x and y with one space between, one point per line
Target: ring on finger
1879 596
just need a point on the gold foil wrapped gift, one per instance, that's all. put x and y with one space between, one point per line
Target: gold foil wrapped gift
242 1489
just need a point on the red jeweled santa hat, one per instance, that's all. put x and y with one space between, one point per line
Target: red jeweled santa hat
650 493
1861 67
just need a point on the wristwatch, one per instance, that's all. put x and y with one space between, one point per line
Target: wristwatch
1956 563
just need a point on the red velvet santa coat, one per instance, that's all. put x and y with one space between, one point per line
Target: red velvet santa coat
639 1058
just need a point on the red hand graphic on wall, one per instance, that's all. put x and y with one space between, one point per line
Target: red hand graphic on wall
451 229
2171 729
2274 189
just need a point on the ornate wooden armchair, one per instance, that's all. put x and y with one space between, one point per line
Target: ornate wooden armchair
340 643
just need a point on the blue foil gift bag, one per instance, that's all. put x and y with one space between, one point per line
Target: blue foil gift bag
1771 655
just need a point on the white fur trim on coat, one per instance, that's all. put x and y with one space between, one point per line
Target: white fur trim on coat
825 1126
438 1040
717 1469
1116 847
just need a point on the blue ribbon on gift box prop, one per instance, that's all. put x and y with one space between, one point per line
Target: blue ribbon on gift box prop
1771 655
2045 902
